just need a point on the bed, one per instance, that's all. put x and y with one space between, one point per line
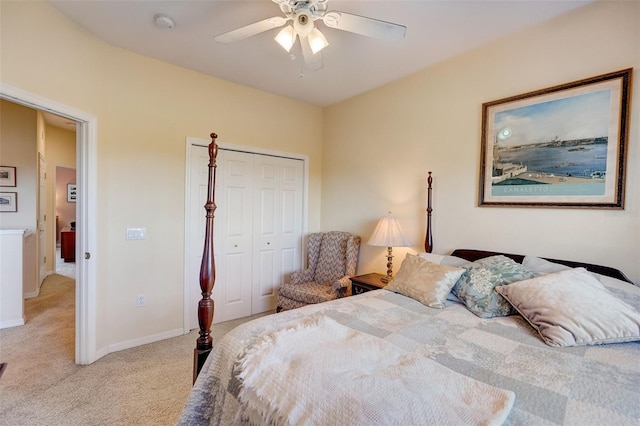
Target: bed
529 354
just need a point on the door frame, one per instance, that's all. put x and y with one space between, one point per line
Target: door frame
86 212
191 142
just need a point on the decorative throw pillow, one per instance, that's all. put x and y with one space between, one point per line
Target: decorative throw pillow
542 266
444 259
475 288
572 308
427 282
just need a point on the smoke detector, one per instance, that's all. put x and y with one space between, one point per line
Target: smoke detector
163 21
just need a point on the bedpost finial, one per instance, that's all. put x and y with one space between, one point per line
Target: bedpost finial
213 136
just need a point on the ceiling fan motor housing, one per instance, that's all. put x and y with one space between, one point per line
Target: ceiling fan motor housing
303 22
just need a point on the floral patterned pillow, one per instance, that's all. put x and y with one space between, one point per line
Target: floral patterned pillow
475 288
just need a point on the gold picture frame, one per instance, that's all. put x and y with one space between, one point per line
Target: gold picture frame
560 147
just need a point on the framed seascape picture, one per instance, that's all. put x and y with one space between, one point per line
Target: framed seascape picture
564 146
8 202
7 176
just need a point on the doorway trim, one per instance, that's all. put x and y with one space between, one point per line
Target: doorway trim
86 212
190 143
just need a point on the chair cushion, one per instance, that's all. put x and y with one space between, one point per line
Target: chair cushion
285 304
311 292
332 259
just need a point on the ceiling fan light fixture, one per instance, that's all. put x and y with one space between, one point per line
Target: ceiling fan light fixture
317 41
286 37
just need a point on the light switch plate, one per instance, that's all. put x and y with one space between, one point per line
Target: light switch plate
136 233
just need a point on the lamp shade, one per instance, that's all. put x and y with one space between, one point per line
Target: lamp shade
388 233
317 41
286 37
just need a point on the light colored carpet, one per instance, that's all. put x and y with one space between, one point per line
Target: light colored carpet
41 385
67 269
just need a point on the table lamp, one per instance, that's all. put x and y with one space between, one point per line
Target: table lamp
388 233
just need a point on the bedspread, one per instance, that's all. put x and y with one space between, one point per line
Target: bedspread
319 372
587 385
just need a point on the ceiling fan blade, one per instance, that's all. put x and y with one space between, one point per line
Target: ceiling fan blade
313 62
251 29
364 26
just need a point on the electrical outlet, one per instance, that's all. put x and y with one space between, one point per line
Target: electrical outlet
140 300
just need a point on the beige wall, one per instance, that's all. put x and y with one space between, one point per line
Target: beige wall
379 146
145 110
18 148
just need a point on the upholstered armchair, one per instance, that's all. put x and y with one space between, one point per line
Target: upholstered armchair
331 261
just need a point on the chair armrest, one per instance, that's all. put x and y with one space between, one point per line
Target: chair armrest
342 286
299 277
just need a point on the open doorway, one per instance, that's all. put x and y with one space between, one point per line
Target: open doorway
86 350
61 197
65 224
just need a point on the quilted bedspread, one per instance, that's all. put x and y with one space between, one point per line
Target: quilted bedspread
586 385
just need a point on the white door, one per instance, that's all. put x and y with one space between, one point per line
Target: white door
277 226
198 175
233 230
257 230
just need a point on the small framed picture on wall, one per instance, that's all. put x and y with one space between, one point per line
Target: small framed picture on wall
7 176
8 202
71 192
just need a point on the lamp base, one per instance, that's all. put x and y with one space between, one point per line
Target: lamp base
389 276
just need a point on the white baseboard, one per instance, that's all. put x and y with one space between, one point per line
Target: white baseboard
99 354
128 344
32 294
12 323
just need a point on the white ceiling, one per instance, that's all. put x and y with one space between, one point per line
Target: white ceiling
353 64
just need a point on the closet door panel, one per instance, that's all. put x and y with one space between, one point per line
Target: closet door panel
266 235
264 282
291 201
198 171
234 216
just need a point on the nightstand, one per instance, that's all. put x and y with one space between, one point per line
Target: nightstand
367 282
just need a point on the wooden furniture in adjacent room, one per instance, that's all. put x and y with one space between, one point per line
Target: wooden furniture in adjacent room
367 282
68 244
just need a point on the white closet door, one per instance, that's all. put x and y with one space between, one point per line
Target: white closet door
234 232
257 229
266 233
277 234
291 191
198 175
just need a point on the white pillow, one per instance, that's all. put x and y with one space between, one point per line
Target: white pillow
572 308
433 258
446 260
542 266
427 282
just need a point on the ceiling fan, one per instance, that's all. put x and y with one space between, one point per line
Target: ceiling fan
303 14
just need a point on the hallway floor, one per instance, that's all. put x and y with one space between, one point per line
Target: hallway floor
68 269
